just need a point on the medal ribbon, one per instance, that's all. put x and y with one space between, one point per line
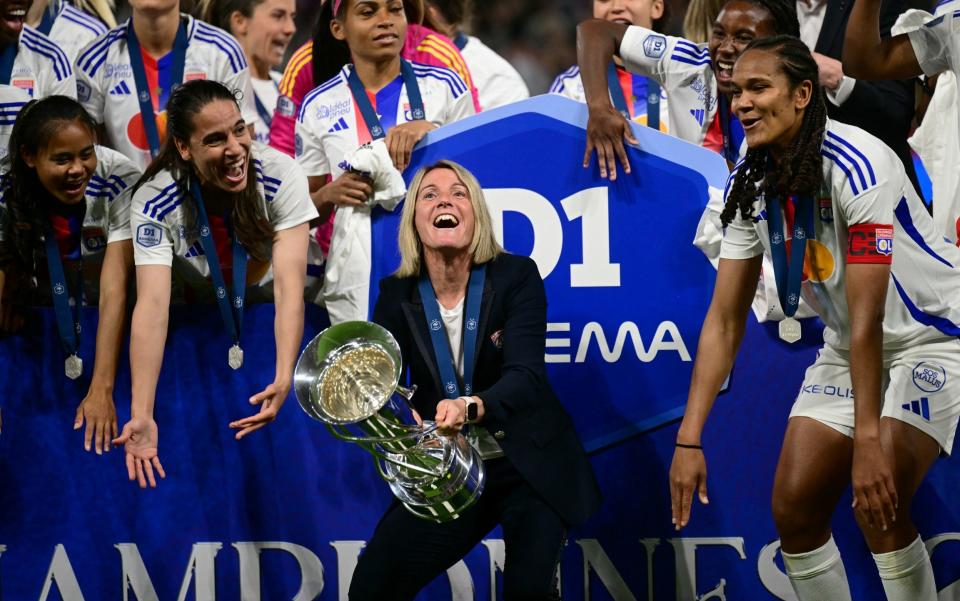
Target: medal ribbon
366 108
144 96
438 335
731 147
460 40
266 115
68 320
231 312
620 101
788 277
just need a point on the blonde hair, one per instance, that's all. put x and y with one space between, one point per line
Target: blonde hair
484 246
101 8
698 22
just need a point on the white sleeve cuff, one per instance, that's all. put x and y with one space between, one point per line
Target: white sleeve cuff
843 91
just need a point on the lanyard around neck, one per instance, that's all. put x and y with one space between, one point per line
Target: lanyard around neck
7 57
231 312
789 277
620 101
68 319
730 152
366 108
266 115
144 96
438 335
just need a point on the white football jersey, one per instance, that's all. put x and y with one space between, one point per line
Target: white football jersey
570 85
869 210
497 81
166 232
73 28
937 44
266 93
328 130
107 218
684 71
41 67
106 88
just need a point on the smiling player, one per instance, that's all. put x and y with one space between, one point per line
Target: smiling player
869 261
213 206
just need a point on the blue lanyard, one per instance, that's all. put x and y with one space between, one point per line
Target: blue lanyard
143 88
266 115
620 101
7 57
460 40
68 320
438 335
366 109
788 277
49 16
231 312
731 150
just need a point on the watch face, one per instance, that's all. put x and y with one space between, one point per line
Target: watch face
472 411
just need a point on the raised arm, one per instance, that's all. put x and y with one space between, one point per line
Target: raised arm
289 272
97 408
597 43
148 337
720 339
874 492
867 56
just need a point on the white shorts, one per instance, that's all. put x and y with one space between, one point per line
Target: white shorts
921 386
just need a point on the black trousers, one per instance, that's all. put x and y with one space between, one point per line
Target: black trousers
407 552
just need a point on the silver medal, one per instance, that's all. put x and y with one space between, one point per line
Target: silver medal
73 367
235 357
790 330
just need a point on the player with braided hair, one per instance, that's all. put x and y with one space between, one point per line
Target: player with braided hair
696 77
837 202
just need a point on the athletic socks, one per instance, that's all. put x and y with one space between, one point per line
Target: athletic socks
907 574
818 575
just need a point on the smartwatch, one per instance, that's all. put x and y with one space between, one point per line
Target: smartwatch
472 409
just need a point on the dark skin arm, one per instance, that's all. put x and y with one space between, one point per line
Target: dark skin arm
867 56
597 43
720 338
874 492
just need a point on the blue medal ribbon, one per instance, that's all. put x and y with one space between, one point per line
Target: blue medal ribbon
266 115
366 109
144 96
438 335
788 277
49 16
652 92
731 149
68 319
231 305
7 57
460 40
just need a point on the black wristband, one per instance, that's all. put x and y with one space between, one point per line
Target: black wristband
687 446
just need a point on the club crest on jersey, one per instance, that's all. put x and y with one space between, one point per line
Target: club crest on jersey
929 377
825 206
94 239
148 235
654 46
885 240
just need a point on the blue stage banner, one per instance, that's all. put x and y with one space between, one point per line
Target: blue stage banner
284 513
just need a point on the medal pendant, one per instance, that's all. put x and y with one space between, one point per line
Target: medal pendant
73 367
790 330
235 357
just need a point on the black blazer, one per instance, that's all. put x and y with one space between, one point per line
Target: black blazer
522 411
882 108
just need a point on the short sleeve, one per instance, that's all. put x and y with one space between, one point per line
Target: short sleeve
152 239
89 93
63 87
740 237
121 175
655 55
308 143
291 205
932 44
461 104
868 179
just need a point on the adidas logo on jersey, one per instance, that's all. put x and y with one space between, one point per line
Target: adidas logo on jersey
699 115
121 89
340 125
920 407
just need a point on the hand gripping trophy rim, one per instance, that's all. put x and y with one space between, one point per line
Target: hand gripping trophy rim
348 378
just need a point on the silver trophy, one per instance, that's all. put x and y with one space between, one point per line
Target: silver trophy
348 378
